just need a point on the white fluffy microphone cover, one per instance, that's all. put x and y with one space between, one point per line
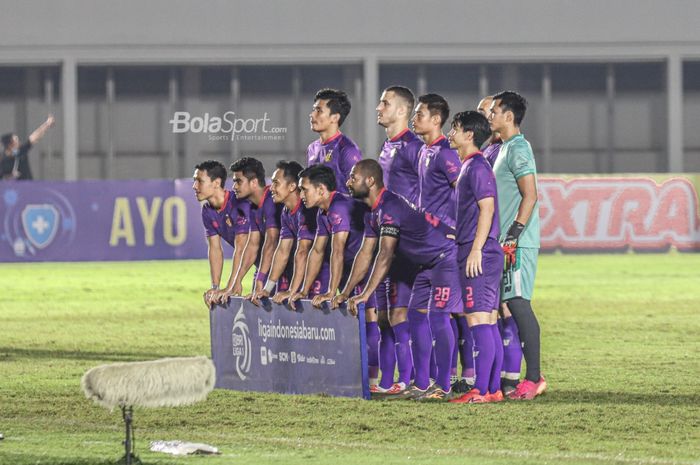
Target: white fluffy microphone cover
168 382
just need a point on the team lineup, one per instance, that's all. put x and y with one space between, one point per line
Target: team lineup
438 238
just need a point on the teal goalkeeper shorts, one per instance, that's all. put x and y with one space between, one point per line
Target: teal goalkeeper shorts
519 279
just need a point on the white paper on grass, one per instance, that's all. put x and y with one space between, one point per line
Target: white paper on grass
182 448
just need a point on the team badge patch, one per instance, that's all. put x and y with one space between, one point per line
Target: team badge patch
228 221
329 154
40 223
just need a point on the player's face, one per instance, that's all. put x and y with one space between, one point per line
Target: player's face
320 117
241 185
310 194
388 109
15 142
280 187
484 106
203 187
357 184
457 137
423 123
497 118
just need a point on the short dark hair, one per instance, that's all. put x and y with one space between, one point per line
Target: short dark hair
338 102
476 123
371 168
437 105
7 139
290 170
405 94
214 169
320 174
513 102
251 169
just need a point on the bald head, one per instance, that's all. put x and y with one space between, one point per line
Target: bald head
366 179
484 106
369 168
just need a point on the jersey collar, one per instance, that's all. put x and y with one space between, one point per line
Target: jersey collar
332 138
262 200
379 198
399 135
223 205
439 139
296 209
471 155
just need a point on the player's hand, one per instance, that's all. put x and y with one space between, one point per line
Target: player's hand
257 295
338 300
209 298
473 268
509 252
280 297
296 296
50 120
354 303
318 300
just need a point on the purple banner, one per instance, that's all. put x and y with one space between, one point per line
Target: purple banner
274 349
99 220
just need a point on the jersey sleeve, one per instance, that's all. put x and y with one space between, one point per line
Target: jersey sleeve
370 225
449 165
307 225
521 161
272 212
482 181
242 219
349 155
339 217
286 226
208 222
322 224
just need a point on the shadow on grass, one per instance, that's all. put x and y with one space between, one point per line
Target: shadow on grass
45 460
12 353
621 398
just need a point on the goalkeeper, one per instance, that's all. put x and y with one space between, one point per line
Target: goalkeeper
516 182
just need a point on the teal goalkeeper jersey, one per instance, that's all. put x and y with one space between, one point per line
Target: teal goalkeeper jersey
515 160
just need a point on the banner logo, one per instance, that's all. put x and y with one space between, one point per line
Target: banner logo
240 336
40 223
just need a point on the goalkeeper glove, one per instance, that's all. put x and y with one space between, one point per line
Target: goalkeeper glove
510 243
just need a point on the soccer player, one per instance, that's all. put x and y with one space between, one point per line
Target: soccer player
423 240
297 231
224 216
518 210
339 234
399 161
512 352
479 253
332 148
438 168
249 184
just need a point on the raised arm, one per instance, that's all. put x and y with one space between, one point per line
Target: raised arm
41 130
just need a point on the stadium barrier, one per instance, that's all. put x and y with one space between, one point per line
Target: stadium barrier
143 220
274 349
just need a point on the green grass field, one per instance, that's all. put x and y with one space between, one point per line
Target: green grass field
621 352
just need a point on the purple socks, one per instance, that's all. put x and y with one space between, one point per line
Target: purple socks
402 336
484 355
495 378
512 352
421 347
372 330
444 346
466 347
387 357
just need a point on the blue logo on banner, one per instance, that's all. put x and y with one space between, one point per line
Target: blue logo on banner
40 223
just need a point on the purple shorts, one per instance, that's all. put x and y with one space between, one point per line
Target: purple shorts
395 290
320 284
437 288
482 294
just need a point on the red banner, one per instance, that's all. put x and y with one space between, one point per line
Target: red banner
616 214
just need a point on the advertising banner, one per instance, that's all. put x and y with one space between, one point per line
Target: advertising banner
275 349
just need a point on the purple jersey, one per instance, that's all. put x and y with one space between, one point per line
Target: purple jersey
422 237
339 153
399 160
491 152
476 182
344 214
298 224
264 216
230 220
438 169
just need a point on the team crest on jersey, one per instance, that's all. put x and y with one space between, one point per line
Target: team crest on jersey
329 154
427 160
228 221
387 219
392 153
